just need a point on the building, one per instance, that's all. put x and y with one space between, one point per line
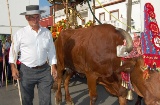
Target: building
47 21
115 12
106 11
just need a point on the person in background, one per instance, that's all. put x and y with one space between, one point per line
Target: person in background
7 49
1 62
38 58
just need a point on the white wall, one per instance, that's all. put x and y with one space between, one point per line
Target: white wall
136 16
122 7
17 21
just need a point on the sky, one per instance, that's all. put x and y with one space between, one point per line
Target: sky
45 5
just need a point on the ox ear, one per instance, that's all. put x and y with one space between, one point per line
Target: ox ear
128 38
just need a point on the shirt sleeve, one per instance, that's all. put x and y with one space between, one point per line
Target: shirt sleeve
52 51
14 49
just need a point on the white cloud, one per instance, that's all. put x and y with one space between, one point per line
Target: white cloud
47 9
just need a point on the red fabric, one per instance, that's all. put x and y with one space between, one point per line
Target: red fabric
125 76
150 39
18 62
151 59
136 52
1 59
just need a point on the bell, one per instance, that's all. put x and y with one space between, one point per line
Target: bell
129 95
126 85
123 83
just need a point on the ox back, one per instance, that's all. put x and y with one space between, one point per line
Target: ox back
92 48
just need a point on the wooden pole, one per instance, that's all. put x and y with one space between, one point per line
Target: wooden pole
129 12
9 18
13 49
67 13
54 12
19 91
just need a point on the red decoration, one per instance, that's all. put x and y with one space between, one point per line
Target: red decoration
151 59
149 6
154 27
150 41
151 14
125 76
156 41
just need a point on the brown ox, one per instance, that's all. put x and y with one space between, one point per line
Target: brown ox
92 51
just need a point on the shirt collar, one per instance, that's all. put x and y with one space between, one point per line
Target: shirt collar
40 28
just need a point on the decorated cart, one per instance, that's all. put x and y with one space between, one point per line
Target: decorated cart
71 17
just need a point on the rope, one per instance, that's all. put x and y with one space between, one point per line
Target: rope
115 17
93 13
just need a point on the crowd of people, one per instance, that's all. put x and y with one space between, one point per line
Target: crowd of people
5 70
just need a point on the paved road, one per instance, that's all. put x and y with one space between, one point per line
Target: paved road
78 89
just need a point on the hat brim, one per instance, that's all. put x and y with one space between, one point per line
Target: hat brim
33 12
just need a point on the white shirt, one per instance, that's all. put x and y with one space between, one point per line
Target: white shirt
36 48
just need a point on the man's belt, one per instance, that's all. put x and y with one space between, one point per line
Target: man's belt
39 67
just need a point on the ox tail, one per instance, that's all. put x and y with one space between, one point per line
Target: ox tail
128 38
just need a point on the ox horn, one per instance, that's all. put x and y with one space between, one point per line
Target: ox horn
128 38
129 95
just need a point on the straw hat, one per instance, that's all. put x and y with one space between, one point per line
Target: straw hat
32 9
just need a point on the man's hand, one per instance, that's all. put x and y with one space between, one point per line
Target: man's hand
54 71
15 72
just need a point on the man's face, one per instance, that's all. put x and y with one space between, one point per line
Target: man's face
33 20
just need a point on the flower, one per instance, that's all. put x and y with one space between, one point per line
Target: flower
58 27
89 23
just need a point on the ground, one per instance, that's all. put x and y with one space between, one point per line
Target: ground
78 88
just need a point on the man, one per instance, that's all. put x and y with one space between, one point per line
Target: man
37 52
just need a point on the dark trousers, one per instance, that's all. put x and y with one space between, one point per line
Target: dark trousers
9 72
40 77
1 70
